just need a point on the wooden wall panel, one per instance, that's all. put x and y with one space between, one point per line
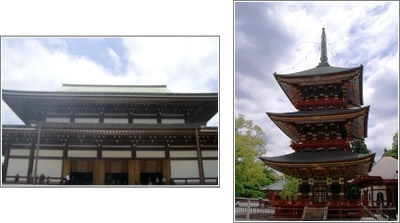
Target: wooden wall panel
82 166
116 166
151 166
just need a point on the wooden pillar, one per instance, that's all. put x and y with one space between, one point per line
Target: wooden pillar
199 158
101 172
166 171
66 167
31 157
137 172
6 159
341 194
95 172
329 189
131 172
310 194
37 156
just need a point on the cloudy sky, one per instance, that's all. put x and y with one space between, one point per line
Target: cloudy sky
284 37
185 64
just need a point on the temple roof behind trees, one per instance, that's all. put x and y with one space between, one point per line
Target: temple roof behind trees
277 186
317 157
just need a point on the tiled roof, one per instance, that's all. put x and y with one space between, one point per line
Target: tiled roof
278 185
386 168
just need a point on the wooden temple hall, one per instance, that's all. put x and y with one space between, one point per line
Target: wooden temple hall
111 135
330 116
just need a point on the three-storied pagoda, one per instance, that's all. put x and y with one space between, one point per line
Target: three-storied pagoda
330 117
114 135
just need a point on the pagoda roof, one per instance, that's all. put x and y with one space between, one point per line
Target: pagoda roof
115 88
317 157
278 185
359 116
319 71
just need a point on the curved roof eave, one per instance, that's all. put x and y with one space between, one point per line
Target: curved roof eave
317 157
102 94
316 71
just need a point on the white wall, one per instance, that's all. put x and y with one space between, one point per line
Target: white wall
19 152
116 154
150 154
82 153
209 153
86 120
183 153
184 169
210 168
173 121
17 166
52 168
50 153
116 120
58 119
144 121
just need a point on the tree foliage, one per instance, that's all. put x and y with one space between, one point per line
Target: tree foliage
395 146
290 189
353 192
359 147
250 173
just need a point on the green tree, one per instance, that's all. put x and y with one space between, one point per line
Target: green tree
353 192
359 146
395 146
290 189
250 173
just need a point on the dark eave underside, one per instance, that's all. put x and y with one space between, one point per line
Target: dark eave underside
317 157
100 126
317 112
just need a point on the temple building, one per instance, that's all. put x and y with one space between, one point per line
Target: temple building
111 135
380 187
330 116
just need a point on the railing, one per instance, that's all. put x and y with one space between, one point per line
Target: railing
322 102
244 212
194 181
29 180
313 144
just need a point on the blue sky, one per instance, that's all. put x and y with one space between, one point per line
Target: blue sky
284 37
185 64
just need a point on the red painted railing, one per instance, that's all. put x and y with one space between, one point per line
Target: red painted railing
322 102
313 144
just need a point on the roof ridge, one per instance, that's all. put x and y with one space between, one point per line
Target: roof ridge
108 85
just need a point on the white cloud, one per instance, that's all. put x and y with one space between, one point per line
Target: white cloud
285 32
115 58
185 64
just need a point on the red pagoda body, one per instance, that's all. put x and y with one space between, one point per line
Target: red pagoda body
330 116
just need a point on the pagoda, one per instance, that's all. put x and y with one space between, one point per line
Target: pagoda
330 116
111 135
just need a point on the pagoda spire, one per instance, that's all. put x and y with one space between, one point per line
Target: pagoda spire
324 57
